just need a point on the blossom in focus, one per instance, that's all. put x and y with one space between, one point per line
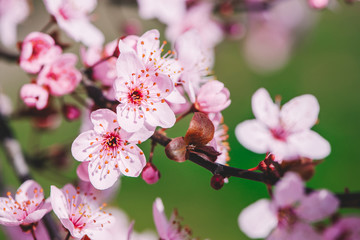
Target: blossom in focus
29 205
60 77
12 12
168 229
16 233
284 132
79 212
212 97
150 174
346 228
34 95
73 17
109 149
37 50
289 213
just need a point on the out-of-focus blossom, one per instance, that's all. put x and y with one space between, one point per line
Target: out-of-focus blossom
289 213
284 132
34 95
346 228
73 17
37 49
167 11
150 174
16 233
196 61
71 112
141 92
168 229
197 17
60 77
29 205
79 212
212 97
132 26
318 4
109 149
12 12
5 105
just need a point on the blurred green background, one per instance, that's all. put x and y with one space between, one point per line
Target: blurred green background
326 63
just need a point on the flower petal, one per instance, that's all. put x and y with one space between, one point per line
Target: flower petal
160 115
127 64
82 171
103 176
104 120
129 118
160 219
132 161
58 203
83 146
29 190
289 190
264 109
35 216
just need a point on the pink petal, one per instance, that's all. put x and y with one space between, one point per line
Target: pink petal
310 144
35 216
264 109
100 178
104 120
289 190
163 116
317 206
348 226
299 231
82 146
129 119
29 190
300 113
133 165
257 220
141 135
254 135
160 219
15 233
127 64
148 42
59 203
82 171
9 222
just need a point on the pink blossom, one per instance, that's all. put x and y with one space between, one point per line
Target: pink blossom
61 77
37 50
219 142
168 229
346 228
109 149
73 17
141 93
79 212
12 12
289 213
197 17
212 97
318 4
29 205
284 132
150 174
34 95
16 233
167 11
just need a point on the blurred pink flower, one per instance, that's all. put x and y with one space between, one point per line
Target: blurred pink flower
318 4
346 228
29 205
61 77
16 233
5 104
34 95
79 212
285 133
73 17
37 49
12 12
213 97
109 150
289 213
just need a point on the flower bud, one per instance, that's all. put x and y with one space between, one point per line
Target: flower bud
150 174
71 112
217 181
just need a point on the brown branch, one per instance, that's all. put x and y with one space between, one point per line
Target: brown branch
10 57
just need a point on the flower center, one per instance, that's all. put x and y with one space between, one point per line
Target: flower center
112 140
279 134
286 217
135 96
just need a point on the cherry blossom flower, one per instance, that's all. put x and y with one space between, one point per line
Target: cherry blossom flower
219 142
289 213
167 11
346 228
34 95
12 12
37 50
212 97
60 77
72 17
284 132
150 174
318 4
197 17
168 229
29 205
109 149
16 233
79 212
141 93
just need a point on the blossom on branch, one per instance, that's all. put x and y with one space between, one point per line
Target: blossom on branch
29 205
109 149
34 95
284 132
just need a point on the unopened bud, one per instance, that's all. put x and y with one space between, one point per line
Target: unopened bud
71 112
217 181
150 174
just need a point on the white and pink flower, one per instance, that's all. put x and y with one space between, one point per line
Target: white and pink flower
289 214
284 132
73 17
60 77
37 50
109 149
34 95
79 212
29 205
